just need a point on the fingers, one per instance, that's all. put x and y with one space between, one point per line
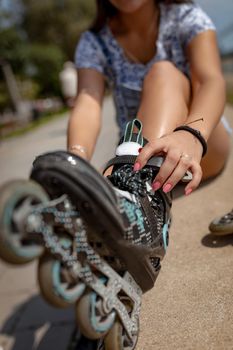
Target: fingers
149 150
173 168
197 176
183 165
170 163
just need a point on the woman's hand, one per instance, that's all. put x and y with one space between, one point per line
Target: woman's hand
182 152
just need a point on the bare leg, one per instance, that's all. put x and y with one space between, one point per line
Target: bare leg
164 106
165 100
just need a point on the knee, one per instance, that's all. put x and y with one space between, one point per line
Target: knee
164 78
162 70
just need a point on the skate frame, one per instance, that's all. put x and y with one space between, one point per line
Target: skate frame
84 263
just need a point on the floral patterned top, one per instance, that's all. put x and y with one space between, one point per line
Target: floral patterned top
179 24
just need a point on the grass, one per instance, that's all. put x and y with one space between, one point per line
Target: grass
45 119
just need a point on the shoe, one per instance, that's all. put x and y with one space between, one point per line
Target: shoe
128 217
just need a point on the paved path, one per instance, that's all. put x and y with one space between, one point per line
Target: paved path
191 306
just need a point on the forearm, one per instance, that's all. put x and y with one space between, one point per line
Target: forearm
208 86
207 104
84 125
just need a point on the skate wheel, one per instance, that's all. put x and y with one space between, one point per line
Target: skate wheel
16 200
55 285
91 319
117 339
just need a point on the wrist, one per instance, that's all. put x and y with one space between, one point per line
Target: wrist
199 126
196 133
78 150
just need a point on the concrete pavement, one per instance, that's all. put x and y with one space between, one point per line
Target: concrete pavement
191 306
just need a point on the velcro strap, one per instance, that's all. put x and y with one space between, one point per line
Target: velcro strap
155 162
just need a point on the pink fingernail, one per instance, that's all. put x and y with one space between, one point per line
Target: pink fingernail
137 166
188 191
156 185
167 188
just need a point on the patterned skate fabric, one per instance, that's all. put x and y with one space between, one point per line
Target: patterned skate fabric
135 182
100 345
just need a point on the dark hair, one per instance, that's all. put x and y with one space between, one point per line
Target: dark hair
105 10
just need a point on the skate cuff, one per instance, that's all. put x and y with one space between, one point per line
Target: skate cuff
128 148
154 162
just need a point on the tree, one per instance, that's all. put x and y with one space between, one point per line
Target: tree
11 59
37 37
45 63
13 48
57 21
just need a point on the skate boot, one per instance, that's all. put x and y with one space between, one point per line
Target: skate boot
222 225
120 238
99 241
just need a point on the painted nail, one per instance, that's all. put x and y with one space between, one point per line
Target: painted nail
167 188
137 166
156 185
139 150
188 191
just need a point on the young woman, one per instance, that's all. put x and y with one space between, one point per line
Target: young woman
162 62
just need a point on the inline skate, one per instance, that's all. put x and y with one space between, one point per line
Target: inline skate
99 241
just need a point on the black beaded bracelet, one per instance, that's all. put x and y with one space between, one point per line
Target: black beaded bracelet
197 134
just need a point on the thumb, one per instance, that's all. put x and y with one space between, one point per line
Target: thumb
148 151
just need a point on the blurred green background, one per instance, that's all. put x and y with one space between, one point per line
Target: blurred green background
36 38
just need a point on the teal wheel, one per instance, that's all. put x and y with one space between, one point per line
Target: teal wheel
56 284
16 200
92 321
117 339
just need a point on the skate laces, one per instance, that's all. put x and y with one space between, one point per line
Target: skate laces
124 178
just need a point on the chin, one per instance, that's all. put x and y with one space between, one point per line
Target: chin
128 6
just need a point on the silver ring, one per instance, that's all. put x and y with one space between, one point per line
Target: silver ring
186 156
